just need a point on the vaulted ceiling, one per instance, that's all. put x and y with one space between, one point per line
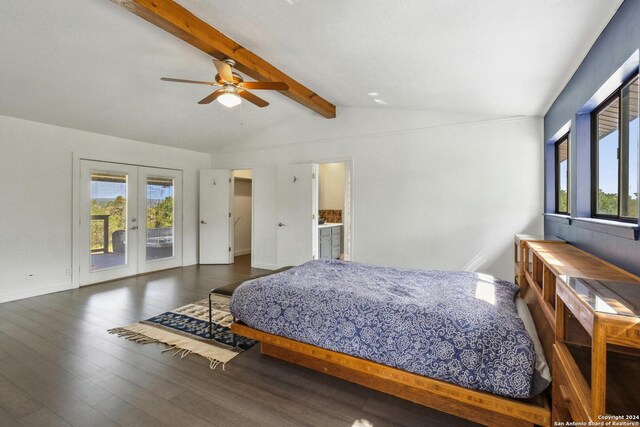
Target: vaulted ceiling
94 66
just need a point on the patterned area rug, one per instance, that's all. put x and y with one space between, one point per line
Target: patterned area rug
186 330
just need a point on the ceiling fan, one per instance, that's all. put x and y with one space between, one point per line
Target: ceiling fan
233 86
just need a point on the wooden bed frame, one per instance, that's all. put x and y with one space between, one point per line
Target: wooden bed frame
478 406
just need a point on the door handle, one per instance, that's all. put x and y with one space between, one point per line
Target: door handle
135 227
280 224
202 222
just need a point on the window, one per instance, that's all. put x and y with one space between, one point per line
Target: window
562 175
615 155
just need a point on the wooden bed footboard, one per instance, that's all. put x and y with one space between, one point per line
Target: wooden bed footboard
481 407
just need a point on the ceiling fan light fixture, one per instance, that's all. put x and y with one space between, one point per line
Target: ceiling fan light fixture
229 99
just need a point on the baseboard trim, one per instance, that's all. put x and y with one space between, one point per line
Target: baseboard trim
264 266
13 296
240 253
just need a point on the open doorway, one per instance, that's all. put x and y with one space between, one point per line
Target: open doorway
334 211
242 216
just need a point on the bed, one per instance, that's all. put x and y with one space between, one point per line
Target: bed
454 341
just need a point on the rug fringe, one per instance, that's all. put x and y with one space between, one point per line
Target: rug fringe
132 336
213 363
181 348
168 349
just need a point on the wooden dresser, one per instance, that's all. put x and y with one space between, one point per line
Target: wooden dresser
519 255
592 306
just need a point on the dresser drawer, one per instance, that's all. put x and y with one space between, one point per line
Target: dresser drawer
325 231
336 230
570 390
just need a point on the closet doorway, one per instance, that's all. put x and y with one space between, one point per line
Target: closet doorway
130 220
242 211
226 216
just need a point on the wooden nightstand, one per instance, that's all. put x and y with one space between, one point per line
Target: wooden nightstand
597 351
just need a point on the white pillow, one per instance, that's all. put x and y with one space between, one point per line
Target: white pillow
543 378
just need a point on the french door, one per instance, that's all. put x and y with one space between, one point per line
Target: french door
130 220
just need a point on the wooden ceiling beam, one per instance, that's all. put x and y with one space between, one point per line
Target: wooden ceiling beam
177 20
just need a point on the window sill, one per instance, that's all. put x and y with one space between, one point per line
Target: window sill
564 219
615 228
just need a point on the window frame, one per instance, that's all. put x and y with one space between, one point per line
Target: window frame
556 149
594 154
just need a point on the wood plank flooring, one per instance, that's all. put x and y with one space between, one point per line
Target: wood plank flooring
60 367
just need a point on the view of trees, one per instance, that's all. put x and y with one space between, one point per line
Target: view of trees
563 201
116 209
159 215
608 204
632 206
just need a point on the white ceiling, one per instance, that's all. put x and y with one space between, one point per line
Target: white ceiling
92 65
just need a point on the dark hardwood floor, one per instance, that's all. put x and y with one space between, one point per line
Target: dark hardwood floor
60 367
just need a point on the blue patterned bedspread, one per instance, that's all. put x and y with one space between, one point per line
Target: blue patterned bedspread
459 327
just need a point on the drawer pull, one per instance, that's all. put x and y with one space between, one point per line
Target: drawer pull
564 394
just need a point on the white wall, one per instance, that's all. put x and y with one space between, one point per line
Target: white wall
242 214
36 192
431 191
331 186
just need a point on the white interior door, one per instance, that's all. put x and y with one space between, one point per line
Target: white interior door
216 206
297 210
160 219
108 221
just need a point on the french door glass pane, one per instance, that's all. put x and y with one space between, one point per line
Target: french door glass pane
108 220
160 217
608 130
629 152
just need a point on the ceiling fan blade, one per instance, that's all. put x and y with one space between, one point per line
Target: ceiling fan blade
224 70
265 85
197 82
252 98
209 99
